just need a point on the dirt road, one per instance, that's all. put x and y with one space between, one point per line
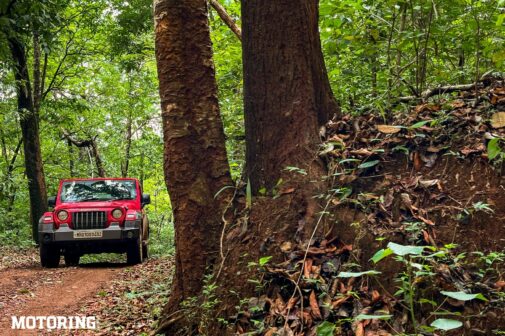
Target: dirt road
34 291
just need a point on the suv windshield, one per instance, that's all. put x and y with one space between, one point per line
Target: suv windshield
98 190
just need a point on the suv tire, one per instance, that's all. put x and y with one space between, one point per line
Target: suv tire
49 256
145 251
134 252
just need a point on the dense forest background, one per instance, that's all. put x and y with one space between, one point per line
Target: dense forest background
97 72
413 155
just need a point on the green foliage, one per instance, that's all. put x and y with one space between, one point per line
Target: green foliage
264 260
199 310
228 62
368 164
326 329
462 296
376 51
100 78
446 324
418 269
494 151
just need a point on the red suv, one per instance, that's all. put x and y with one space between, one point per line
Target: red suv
95 215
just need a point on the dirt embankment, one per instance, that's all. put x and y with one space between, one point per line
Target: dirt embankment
429 175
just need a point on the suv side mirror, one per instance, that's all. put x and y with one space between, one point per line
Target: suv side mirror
146 199
51 201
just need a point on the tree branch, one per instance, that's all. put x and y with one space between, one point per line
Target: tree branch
11 167
58 69
91 144
227 19
441 90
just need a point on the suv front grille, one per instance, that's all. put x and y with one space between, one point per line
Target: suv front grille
86 220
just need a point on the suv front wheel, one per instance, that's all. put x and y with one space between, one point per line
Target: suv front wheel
49 256
135 251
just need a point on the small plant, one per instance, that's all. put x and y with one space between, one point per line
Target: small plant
200 309
296 170
465 215
495 151
418 264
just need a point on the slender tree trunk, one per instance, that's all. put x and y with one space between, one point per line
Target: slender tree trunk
37 78
424 54
287 94
195 162
30 133
126 162
9 188
401 29
98 159
142 170
4 147
374 65
71 165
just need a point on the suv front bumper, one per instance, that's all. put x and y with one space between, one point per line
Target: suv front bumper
64 234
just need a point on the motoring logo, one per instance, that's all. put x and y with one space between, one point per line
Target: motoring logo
53 322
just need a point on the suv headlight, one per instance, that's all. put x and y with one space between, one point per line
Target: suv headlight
117 213
62 215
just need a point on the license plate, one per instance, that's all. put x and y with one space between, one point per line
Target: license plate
88 234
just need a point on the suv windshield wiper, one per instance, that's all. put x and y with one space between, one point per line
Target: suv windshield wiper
121 198
90 199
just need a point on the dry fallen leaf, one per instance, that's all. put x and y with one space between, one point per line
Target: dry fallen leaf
388 129
424 220
498 120
316 313
407 202
428 183
433 149
500 285
361 152
339 302
418 163
286 246
287 191
375 296
307 267
360 329
272 331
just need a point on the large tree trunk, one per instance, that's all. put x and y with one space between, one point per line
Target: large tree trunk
287 98
30 133
196 166
287 94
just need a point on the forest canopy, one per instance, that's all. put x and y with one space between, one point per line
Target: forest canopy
97 70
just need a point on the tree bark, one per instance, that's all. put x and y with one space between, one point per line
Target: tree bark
287 94
195 162
37 78
30 133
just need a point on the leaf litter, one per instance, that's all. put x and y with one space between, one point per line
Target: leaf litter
306 296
